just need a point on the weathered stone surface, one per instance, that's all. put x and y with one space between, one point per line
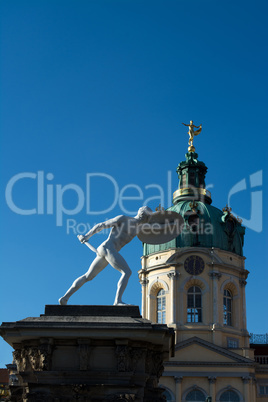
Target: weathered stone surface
88 353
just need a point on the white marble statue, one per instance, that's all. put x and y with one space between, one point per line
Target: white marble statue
124 229
154 228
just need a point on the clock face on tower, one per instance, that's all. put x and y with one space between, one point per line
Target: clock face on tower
194 265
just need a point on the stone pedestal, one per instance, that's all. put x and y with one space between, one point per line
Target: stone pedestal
88 353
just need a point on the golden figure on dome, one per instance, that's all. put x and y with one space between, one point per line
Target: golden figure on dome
192 134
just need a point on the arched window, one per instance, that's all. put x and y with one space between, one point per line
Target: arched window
229 396
161 307
194 304
227 307
167 395
195 395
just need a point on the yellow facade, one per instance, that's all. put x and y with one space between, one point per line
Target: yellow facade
212 357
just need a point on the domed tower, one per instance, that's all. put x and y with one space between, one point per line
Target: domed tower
196 285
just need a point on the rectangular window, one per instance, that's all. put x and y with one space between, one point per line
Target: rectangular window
194 315
161 307
263 389
227 308
194 304
232 343
192 178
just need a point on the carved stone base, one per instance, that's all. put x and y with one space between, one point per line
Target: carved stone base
88 353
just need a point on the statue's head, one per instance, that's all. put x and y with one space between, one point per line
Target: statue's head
144 213
191 121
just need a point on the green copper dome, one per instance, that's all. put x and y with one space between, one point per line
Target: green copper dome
204 225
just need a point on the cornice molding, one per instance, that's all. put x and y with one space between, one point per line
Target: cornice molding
211 364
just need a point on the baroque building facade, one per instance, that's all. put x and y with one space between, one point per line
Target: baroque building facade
196 285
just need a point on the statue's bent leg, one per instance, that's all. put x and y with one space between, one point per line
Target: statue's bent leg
119 263
95 268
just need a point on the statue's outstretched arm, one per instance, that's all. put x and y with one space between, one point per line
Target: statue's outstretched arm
187 125
103 225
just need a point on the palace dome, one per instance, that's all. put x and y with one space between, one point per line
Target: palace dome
204 224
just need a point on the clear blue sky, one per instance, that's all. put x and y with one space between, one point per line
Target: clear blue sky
90 87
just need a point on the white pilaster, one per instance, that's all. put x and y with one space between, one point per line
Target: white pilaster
246 389
172 277
212 388
215 276
143 283
178 381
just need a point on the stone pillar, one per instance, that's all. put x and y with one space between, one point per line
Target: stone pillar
253 390
212 388
172 277
143 283
246 388
243 283
149 307
181 306
215 297
178 381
